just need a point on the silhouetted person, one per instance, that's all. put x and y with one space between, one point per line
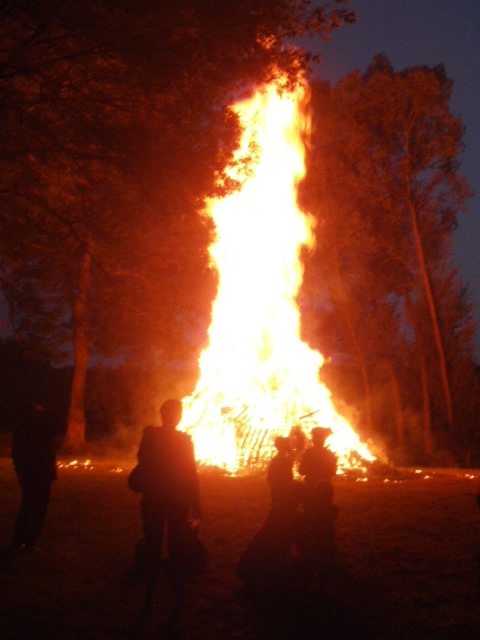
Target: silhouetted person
171 497
280 474
271 560
478 560
318 466
36 436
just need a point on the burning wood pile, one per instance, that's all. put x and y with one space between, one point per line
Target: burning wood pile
257 377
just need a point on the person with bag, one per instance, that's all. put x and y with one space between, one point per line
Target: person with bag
167 477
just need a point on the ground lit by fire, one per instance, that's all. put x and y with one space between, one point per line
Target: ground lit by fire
258 379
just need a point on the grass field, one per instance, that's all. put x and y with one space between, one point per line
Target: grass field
408 563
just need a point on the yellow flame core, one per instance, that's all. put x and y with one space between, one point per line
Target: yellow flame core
257 377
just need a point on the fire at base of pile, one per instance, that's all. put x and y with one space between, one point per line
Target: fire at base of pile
231 440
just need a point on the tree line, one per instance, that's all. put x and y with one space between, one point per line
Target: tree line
115 127
384 187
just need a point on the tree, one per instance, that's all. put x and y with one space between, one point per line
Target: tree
114 128
384 185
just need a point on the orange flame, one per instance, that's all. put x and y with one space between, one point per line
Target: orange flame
257 377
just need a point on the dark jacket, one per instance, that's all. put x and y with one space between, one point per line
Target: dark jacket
280 478
169 470
318 464
36 436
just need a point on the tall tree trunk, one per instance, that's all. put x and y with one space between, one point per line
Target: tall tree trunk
397 403
427 287
360 358
75 437
426 411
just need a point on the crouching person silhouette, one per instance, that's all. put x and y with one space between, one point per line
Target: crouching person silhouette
168 479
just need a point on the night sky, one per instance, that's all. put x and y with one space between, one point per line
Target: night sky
425 32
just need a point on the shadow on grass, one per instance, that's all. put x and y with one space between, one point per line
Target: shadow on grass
329 610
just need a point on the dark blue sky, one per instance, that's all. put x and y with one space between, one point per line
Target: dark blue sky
416 32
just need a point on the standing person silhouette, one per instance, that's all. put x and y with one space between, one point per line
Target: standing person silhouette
171 498
478 559
36 437
318 465
270 560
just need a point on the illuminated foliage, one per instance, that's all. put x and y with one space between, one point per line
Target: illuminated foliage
384 185
113 129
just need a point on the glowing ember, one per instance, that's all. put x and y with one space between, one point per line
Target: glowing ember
75 464
257 378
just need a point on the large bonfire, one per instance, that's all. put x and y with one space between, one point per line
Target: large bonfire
258 379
